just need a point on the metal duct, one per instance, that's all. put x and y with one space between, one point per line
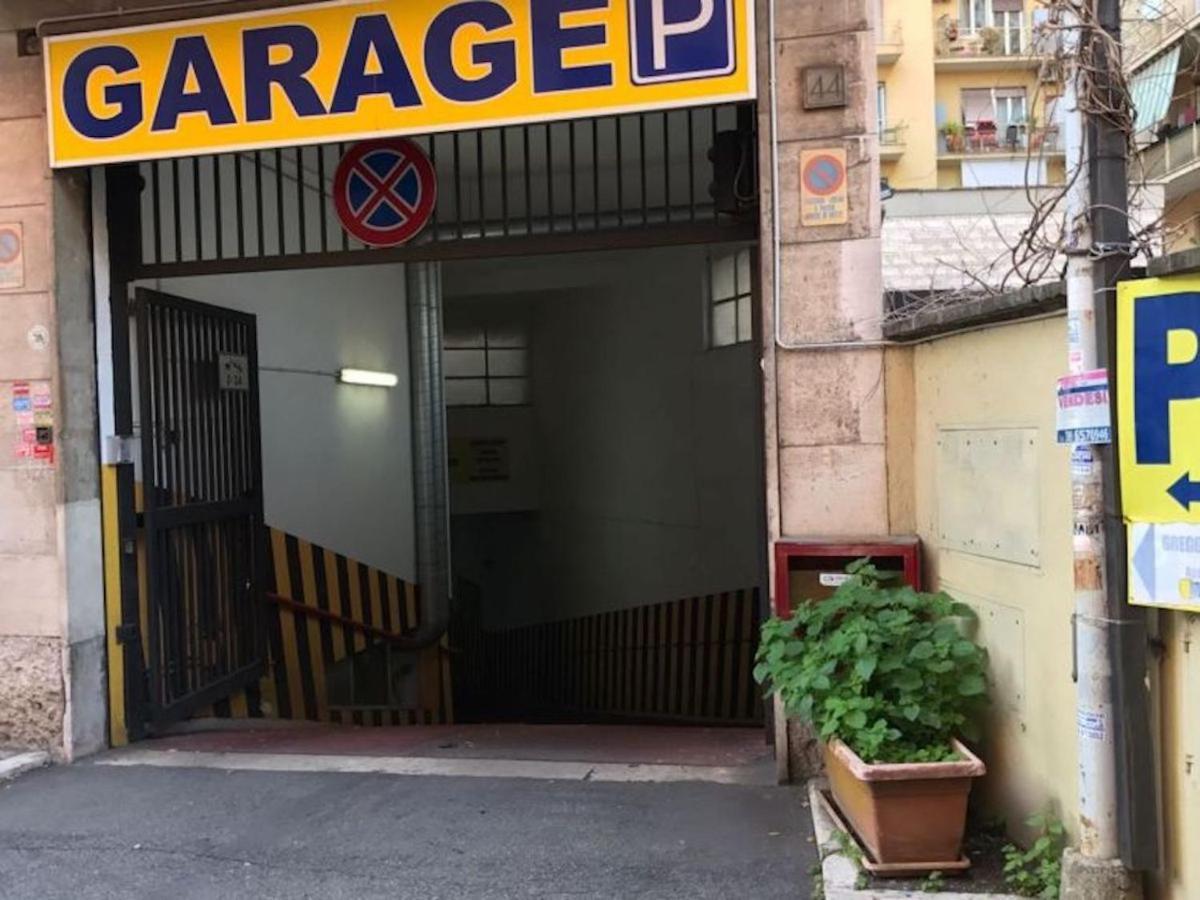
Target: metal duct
431 490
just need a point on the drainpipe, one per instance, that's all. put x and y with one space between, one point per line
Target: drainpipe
431 490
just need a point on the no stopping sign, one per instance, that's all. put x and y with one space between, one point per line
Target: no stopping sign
384 191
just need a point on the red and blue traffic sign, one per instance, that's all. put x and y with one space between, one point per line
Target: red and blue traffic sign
384 191
823 175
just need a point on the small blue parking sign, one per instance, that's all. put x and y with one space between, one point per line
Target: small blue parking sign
676 40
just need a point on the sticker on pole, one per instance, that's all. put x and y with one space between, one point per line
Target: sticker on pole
384 191
823 195
1158 398
1164 565
1083 409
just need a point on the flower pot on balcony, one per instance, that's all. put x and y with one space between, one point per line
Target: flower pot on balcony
904 812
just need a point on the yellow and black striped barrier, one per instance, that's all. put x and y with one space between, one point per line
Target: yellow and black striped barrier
689 660
323 607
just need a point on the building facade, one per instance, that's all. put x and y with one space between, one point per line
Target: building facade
988 65
738 336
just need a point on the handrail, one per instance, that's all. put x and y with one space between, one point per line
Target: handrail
318 613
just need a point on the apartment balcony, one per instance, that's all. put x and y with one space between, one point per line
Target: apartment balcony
1173 160
892 141
1011 142
889 44
987 49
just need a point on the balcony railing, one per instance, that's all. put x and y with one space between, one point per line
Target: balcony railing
889 43
1177 151
955 41
1010 140
892 139
893 135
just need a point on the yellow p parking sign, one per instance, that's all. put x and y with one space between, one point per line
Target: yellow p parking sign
1158 423
1158 398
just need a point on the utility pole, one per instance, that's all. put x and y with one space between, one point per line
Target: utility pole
1117 808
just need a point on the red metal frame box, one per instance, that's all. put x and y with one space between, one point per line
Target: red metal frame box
800 564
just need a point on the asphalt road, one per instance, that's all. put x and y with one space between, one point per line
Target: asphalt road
89 831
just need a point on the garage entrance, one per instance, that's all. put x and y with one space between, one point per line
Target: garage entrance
539 498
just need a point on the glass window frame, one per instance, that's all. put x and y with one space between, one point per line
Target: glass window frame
489 345
741 300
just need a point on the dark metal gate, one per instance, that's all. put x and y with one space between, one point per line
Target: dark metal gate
202 498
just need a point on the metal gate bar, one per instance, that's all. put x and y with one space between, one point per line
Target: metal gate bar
576 177
202 501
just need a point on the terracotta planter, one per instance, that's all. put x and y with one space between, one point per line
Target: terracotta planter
904 812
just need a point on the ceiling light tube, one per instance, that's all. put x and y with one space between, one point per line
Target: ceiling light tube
366 376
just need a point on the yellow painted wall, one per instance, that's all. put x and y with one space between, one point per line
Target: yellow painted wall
1182 218
1180 756
950 85
910 84
1001 378
912 80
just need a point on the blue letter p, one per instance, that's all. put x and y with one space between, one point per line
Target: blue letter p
1157 379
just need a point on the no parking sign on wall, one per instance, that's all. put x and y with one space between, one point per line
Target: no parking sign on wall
384 191
823 196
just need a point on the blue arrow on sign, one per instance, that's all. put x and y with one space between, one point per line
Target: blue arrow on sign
1185 491
1143 561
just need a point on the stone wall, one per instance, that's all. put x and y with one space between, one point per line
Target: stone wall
31 692
51 602
31 571
823 378
828 447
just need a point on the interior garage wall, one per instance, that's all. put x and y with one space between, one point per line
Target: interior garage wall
649 486
337 459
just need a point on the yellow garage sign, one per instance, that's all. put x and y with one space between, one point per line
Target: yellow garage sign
1158 398
349 70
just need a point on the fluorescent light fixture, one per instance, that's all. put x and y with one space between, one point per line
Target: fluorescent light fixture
366 376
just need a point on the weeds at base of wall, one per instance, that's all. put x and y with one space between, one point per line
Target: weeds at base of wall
1037 872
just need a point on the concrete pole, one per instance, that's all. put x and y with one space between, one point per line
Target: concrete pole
1117 810
1097 759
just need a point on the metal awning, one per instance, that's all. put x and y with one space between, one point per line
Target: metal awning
1151 90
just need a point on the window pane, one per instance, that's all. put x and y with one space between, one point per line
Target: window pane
745 328
509 391
977 104
507 362
743 271
463 363
507 336
722 277
724 326
460 336
466 392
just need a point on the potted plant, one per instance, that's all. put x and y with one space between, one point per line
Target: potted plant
953 133
887 679
946 34
991 41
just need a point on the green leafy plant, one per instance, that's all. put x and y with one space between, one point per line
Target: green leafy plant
879 665
955 136
991 40
816 880
1036 872
934 883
